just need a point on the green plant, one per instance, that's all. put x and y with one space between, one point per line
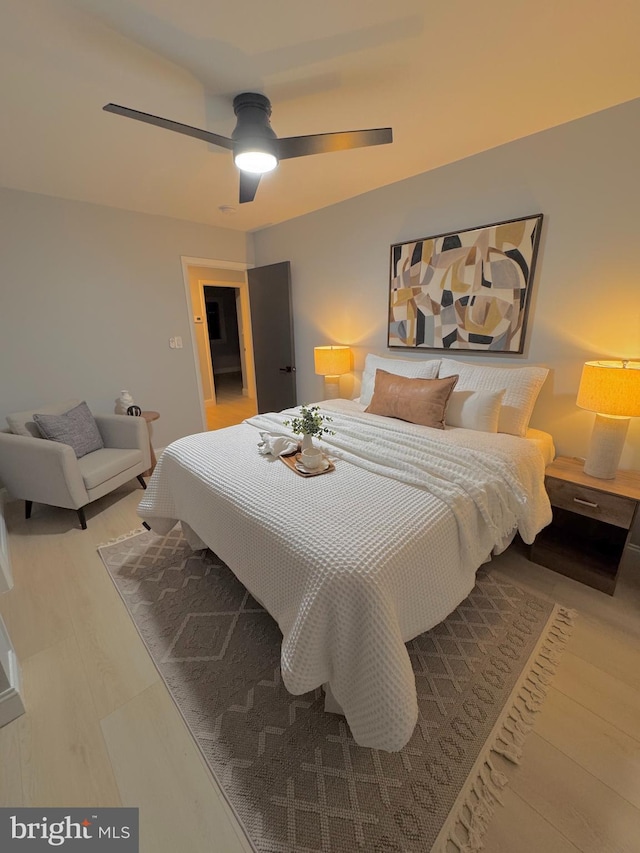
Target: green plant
310 422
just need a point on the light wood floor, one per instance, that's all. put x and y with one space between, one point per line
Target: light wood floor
231 407
102 730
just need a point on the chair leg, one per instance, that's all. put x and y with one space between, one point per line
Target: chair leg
27 508
82 517
141 481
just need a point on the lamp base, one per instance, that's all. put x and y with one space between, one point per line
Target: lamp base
607 442
331 387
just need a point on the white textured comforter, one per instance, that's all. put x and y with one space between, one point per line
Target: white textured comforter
354 563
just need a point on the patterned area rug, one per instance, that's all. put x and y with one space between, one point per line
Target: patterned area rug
293 774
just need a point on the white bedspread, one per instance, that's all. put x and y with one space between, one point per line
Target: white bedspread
354 563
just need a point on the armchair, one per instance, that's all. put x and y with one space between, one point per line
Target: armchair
36 469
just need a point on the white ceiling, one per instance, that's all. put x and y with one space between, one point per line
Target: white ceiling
452 78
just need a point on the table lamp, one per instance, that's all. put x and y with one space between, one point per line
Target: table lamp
331 362
611 389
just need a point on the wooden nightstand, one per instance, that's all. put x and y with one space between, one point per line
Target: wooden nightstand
592 523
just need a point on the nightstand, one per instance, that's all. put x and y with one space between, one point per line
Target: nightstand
592 523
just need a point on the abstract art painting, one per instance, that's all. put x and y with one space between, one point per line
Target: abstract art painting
465 290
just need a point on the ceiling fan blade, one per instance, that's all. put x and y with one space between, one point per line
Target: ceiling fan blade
205 135
248 186
323 143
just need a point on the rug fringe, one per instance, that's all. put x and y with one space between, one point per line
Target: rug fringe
122 538
469 818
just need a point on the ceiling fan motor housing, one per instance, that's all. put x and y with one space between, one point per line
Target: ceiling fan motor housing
253 130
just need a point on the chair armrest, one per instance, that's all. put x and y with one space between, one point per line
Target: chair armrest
35 469
125 432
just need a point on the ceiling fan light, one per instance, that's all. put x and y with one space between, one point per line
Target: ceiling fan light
257 162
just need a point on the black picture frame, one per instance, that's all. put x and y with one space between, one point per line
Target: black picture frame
464 291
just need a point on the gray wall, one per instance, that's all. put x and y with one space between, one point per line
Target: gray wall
583 176
89 297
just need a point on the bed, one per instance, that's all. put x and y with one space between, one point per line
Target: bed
354 563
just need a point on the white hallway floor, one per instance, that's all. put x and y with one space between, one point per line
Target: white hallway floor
102 730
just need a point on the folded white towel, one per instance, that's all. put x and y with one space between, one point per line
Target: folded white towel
276 445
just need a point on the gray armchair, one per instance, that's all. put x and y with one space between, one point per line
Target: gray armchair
36 469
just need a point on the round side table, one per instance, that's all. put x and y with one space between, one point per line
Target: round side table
150 416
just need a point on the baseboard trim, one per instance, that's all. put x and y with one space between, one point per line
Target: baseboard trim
11 704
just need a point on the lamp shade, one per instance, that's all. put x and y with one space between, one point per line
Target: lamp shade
332 361
610 388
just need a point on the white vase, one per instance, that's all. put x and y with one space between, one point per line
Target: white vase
307 442
123 402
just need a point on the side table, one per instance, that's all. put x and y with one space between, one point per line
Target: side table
592 525
150 416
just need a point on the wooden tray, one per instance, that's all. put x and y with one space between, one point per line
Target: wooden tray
290 462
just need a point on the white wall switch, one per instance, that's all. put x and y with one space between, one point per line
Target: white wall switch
178 342
172 343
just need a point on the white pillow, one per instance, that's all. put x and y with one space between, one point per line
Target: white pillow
521 388
410 369
479 410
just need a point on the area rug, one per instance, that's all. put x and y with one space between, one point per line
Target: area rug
293 774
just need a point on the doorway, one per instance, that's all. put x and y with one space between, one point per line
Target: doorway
231 402
264 320
221 326
224 341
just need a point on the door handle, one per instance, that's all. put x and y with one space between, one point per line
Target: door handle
288 369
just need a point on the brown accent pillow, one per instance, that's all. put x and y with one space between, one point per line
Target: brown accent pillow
419 401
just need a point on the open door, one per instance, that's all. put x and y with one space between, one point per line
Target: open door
272 332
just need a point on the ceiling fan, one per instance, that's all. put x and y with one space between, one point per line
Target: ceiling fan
256 148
